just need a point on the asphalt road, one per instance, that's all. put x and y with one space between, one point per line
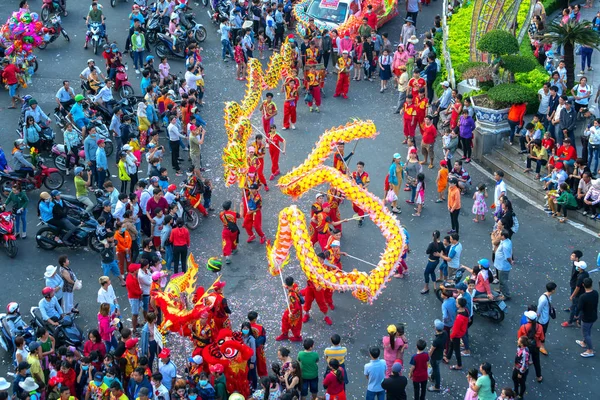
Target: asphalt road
542 246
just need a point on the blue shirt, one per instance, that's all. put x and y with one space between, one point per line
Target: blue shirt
63 96
449 311
101 161
46 210
55 281
375 371
144 83
225 32
50 308
454 254
90 146
503 253
77 112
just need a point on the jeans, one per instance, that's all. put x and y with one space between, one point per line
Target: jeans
64 225
593 156
514 126
138 59
101 178
226 47
199 120
153 350
111 344
21 218
574 310
169 256
519 383
503 278
180 255
454 220
118 144
586 330
401 101
420 390
413 193
586 56
435 373
371 395
430 270
538 164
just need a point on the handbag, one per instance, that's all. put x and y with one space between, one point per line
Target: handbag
551 310
78 284
308 97
391 196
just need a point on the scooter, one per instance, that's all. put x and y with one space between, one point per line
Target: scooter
67 333
7 340
50 237
7 232
75 207
122 84
185 210
221 13
52 7
43 175
47 137
164 48
96 36
60 157
52 31
153 28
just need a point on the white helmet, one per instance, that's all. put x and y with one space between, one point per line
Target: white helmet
12 307
19 143
174 16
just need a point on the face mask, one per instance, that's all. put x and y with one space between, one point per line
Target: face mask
122 230
203 382
48 200
108 381
194 396
85 367
97 383
245 331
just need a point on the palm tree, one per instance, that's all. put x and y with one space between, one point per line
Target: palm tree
566 36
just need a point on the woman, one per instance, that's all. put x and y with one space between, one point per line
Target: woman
506 215
455 109
47 347
180 390
143 122
269 389
393 347
19 202
70 278
412 168
250 342
123 175
485 386
495 238
107 327
72 144
581 93
385 69
292 379
434 247
357 58
183 87
466 127
148 344
283 355
334 381
31 133
535 333
400 59
395 179
94 345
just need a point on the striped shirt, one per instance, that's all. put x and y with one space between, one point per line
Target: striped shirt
336 352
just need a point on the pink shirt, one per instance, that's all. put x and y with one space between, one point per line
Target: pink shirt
164 69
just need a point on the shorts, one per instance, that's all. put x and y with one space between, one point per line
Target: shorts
12 90
111 267
135 306
81 122
313 384
145 302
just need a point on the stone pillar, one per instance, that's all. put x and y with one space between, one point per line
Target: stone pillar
484 142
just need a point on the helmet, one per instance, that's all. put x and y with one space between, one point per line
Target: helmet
90 60
174 16
32 102
77 170
149 58
181 6
106 47
47 291
12 307
171 188
135 7
19 143
54 193
79 97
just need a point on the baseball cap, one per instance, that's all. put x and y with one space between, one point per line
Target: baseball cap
106 203
439 325
319 195
397 156
532 315
196 360
580 264
484 262
445 83
23 365
461 286
335 243
131 343
397 367
165 353
33 346
78 170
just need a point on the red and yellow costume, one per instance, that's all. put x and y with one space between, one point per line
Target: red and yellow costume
230 351
422 102
231 232
335 198
292 316
361 180
312 55
310 293
313 85
343 83
252 177
275 151
291 86
410 119
269 110
193 197
202 336
219 311
416 84
260 335
338 161
259 164
260 151
315 209
322 229
253 214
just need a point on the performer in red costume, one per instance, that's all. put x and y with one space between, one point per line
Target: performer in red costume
324 222
335 197
231 232
421 103
276 147
312 292
202 333
315 209
258 158
252 206
219 311
327 293
252 177
339 161
313 86
344 66
193 190
260 335
361 177
290 87
292 316
269 111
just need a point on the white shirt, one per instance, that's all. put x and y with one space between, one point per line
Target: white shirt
500 188
191 79
86 72
173 131
145 280
557 112
160 391
107 296
544 102
104 94
120 209
170 197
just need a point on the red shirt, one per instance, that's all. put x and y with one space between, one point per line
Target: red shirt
371 20
331 383
419 361
459 329
180 237
134 291
565 154
276 140
10 74
429 134
154 205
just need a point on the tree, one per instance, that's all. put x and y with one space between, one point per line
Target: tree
566 36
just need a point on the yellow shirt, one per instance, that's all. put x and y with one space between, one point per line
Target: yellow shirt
336 352
541 153
36 367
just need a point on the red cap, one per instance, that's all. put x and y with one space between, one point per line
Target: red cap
216 368
559 165
99 142
413 151
131 343
443 163
165 353
133 268
219 285
252 170
172 187
325 205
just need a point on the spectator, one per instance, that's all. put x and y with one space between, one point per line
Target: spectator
449 311
395 384
180 239
394 345
545 311
375 373
503 262
485 386
515 119
418 370
459 329
588 314
436 353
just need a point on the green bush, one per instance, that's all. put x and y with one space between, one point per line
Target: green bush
498 42
505 94
533 80
459 35
553 5
468 65
516 64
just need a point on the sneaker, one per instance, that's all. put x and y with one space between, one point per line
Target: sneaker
227 260
310 109
251 239
395 210
296 339
263 240
137 71
67 172
433 389
305 318
23 235
284 129
328 320
567 324
585 354
317 109
293 127
281 337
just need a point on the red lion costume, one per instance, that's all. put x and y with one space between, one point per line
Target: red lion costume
230 351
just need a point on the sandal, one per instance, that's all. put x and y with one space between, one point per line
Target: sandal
455 368
445 360
581 344
439 201
424 291
11 107
416 215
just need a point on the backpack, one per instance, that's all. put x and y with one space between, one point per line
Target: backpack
515 227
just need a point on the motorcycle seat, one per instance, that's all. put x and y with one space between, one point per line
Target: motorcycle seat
70 199
37 314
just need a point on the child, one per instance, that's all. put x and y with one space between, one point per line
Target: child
472 376
207 195
445 142
418 369
442 181
261 43
165 244
410 118
94 81
519 374
163 179
564 202
157 227
337 352
420 198
309 365
240 60
109 263
164 69
101 231
508 394
479 206
444 264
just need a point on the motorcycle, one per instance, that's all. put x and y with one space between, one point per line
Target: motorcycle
49 237
43 175
187 22
47 137
67 333
51 7
7 232
153 28
52 31
122 84
60 157
185 210
164 48
96 36
221 13
75 207
7 340
492 309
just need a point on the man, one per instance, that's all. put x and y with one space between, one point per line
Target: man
247 43
115 129
106 293
567 122
77 115
138 380
116 391
413 7
91 66
162 8
9 75
268 111
544 95
344 66
20 377
339 160
101 163
371 17
95 15
60 217
539 155
441 106
105 97
454 204
65 97
577 288
277 146
402 89
555 117
157 201
174 136
51 311
279 26
220 310
545 311
260 334
290 87
588 314
374 370
436 354
292 316
461 175
37 113
449 311
395 384
193 76
503 262
252 212
361 177
158 389
364 29
553 101
584 185
428 141
499 190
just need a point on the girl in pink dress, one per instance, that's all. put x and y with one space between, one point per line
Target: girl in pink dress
393 347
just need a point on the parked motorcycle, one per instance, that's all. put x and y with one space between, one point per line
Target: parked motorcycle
221 13
185 210
43 175
60 157
51 7
7 232
96 36
50 237
75 207
122 85
153 28
52 31
7 340
67 333
164 48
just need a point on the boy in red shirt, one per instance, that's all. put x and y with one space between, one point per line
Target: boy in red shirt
134 294
276 146
429 134
9 75
418 369
410 118
459 329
